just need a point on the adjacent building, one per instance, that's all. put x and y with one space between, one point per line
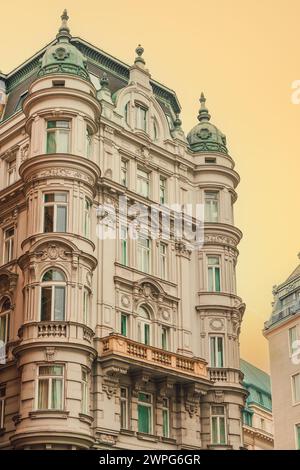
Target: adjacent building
282 331
257 415
113 337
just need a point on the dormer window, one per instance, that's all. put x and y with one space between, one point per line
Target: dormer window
141 117
58 136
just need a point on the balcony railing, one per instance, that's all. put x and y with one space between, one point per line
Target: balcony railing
228 375
117 345
55 330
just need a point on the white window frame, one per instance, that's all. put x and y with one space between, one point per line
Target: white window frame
86 305
141 117
163 260
144 254
218 416
295 328
87 217
124 245
141 326
84 391
216 337
210 198
163 194
167 336
297 439
7 315
2 406
55 204
8 252
50 379
143 182
295 402
57 130
53 284
213 268
124 172
11 169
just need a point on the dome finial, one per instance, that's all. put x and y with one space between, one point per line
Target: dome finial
139 59
64 30
203 111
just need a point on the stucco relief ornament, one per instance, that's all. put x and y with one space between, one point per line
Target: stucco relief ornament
125 300
61 53
53 252
216 324
204 134
49 354
89 279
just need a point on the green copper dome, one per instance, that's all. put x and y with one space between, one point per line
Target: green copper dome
63 57
205 137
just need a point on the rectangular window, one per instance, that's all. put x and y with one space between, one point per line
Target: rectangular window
4 327
143 183
124 172
58 137
218 433
141 117
214 284
124 324
145 413
211 210
9 236
11 172
247 418
296 388
293 337
55 212
87 218
124 408
298 436
86 305
50 387
165 338
216 351
166 417
143 254
84 391
89 142
163 260
124 245
162 190
2 407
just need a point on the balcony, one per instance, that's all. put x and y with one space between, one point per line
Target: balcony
283 314
159 361
33 333
226 376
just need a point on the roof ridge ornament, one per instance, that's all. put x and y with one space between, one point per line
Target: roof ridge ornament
139 59
104 81
203 111
64 30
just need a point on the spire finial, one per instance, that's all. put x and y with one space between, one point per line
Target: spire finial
139 59
64 30
203 111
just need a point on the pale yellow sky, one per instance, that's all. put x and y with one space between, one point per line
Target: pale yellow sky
244 55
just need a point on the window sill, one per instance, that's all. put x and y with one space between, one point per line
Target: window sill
168 440
146 437
46 414
219 447
127 432
85 418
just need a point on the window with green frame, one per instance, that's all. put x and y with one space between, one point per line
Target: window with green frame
298 436
124 324
123 245
247 418
145 413
216 351
58 136
214 284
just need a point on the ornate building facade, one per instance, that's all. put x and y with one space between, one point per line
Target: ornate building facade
113 342
282 331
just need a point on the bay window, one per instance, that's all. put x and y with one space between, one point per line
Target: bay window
50 387
53 295
145 413
213 263
218 432
124 324
55 212
216 351
163 260
89 142
58 137
86 305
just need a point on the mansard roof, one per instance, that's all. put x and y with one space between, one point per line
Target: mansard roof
258 384
18 81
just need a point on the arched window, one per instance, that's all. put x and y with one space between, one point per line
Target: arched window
144 326
53 296
5 308
126 112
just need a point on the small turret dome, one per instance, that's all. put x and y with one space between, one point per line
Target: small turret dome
205 136
63 57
